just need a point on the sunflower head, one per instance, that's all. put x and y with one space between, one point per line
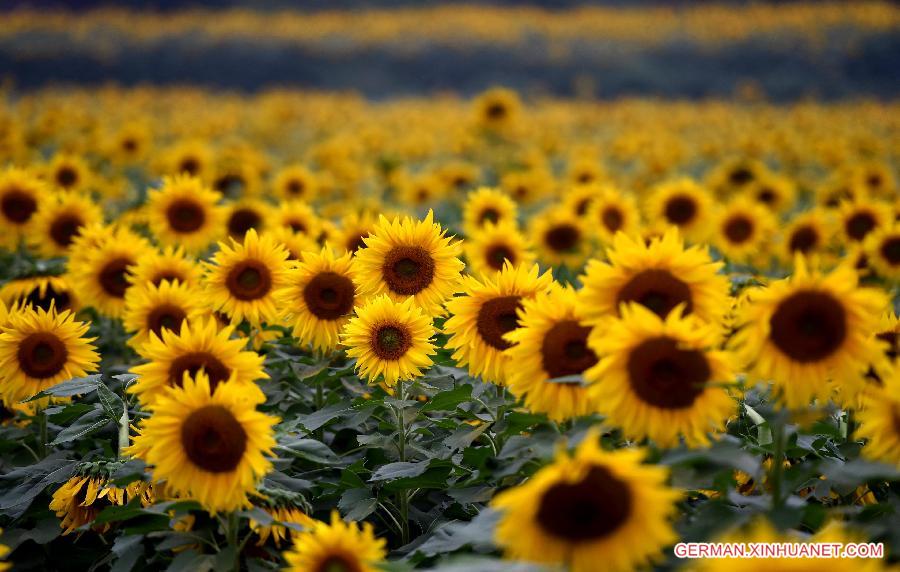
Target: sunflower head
496 245
861 217
81 498
296 182
612 211
150 308
40 292
246 215
485 206
681 203
184 212
21 194
882 250
497 109
59 220
561 238
336 546
743 230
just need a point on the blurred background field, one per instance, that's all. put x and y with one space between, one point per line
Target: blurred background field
783 51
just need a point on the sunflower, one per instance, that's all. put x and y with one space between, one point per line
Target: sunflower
277 532
170 263
422 190
191 158
4 554
487 205
495 245
209 445
591 507
81 498
860 218
743 230
888 336
879 421
101 276
245 215
319 297
59 220
882 248
660 275
775 192
874 179
806 330
549 346
150 308
661 378
184 212
410 259
69 173
807 234
561 238
196 346
41 292
294 242
336 546
528 186
354 228
612 211
297 216
21 195
487 311
734 175
497 109
41 348
681 203
459 175
583 171
295 182
242 278
237 179
389 339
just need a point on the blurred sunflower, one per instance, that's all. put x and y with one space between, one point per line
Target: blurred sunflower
209 445
59 220
354 228
879 421
245 215
560 237
578 199
410 259
336 546
529 186
549 346
191 158
659 275
776 193
41 348
21 195
808 234
860 218
882 249
874 179
242 278
590 507
497 109
196 346
297 216
485 313
681 203
40 291
389 339
170 263
295 182
487 206
494 245
612 211
661 379
808 330
151 308
294 242
286 514
184 212
743 231
421 190
735 175
888 336
69 173
319 297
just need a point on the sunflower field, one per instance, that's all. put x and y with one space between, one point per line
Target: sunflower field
315 331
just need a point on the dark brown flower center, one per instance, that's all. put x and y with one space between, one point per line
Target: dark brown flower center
766 196
165 316
114 276
42 355
657 290
391 341
338 563
585 510
249 280
890 250
295 187
60 300
496 111
18 206
582 206
496 317
213 439
189 165
242 220
66 177
215 370
496 254
740 176
564 350
297 225
65 228
490 214
738 229
892 339
680 210
562 238
612 219
808 326
329 295
859 225
666 376
408 270
804 239
185 215
356 242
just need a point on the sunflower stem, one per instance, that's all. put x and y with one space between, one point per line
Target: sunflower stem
232 533
402 495
123 431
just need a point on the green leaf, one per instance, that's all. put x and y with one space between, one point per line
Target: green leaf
111 403
357 504
86 425
71 388
399 470
311 450
448 400
192 561
127 550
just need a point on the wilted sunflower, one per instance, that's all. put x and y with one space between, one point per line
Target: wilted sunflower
297 216
245 215
184 212
807 330
560 238
882 248
353 230
491 248
319 297
661 378
242 278
150 308
171 263
59 220
195 346
808 233
743 231
338 546
591 507
681 203
860 218
410 259
80 499
549 346
295 182
487 206
21 195
659 275
612 211
277 532
209 445
389 339
487 311
101 276
41 348
40 291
